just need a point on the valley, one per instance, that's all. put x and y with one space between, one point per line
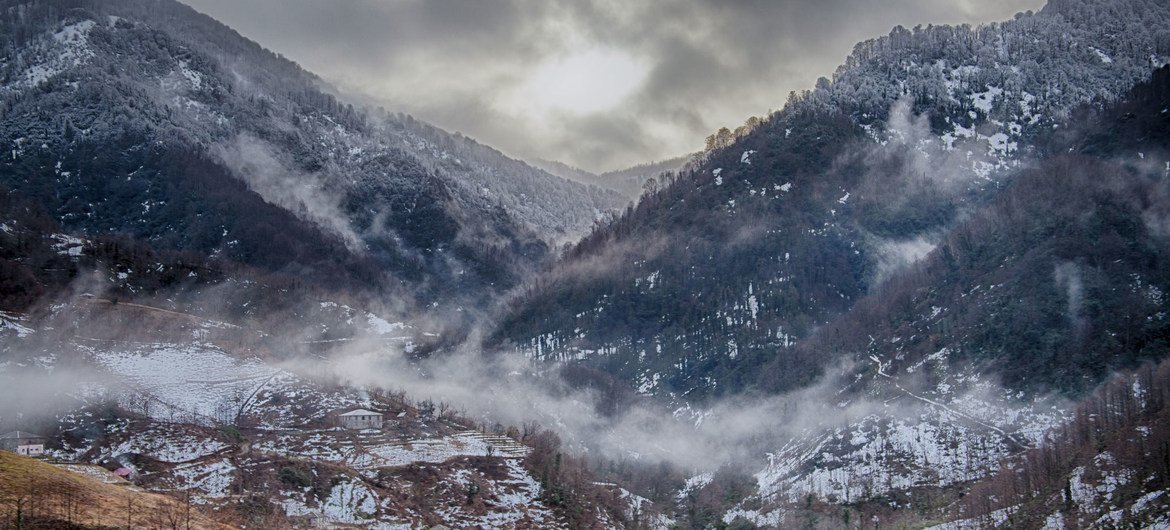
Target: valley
928 292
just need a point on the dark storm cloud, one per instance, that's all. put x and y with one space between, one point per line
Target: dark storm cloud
462 64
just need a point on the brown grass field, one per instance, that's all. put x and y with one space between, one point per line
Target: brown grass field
42 495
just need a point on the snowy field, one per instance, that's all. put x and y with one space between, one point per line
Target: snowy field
368 452
185 382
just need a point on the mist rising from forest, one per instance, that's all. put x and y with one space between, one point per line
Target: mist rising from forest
511 389
499 388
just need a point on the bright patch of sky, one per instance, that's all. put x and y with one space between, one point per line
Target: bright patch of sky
592 81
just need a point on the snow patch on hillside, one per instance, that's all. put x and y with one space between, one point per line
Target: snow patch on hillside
10 323
370 451
212 479
195 380
350 502
169 444
65 49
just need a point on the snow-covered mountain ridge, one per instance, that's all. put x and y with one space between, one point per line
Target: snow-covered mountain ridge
151 87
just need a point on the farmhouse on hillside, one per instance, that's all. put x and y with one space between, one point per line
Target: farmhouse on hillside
361 419
23 443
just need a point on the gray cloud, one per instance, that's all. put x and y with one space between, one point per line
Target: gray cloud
461 64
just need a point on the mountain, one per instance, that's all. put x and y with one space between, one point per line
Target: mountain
630 181
1051 288
191 226
559 209
565 171
717 276
928 293
149 120
902 281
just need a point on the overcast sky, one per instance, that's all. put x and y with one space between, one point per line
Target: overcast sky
600 85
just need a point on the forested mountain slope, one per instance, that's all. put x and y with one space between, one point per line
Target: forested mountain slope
1059 280
789 222
1106 468
1033 299
150 120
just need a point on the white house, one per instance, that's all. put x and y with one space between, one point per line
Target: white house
361 419
23 443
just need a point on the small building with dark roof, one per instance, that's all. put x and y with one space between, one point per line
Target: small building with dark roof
23 443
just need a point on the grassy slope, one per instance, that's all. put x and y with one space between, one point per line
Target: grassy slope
46 491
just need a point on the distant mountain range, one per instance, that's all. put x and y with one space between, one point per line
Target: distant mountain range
629 181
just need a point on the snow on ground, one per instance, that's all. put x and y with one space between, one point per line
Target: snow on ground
95 472
932 437
66 48
695 483
511 498
636 510
190 379
202 384
1094 491
394 332
10 323
67 245
984 101
432 450
516 504
315 446
1000 144
1105 58
879 454
994 520
192 76
169 443
381 326
290 402
368 451
350 502
760 518
212 479
183 389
